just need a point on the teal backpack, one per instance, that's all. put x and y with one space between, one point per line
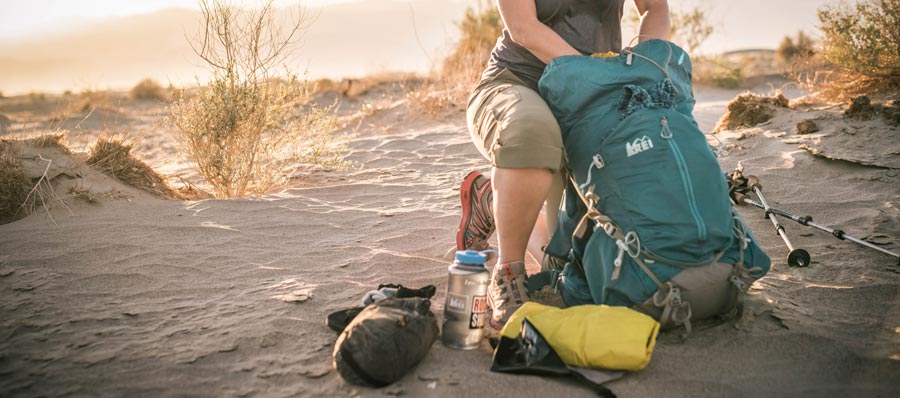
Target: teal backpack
647 221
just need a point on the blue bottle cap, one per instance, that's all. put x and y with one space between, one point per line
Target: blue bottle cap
471 257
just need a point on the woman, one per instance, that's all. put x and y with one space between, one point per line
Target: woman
513 128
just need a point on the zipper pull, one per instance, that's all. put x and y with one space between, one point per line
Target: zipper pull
664 131
598 161
619 258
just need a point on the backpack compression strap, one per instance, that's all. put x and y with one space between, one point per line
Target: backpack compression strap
674 308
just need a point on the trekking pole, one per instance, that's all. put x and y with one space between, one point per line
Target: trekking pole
808 221
796 257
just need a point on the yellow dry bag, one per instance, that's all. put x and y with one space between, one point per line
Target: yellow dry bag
591 336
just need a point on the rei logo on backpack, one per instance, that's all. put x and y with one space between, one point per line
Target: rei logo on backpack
651 226
639 145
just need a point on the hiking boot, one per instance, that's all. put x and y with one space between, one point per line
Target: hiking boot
477 223
507 292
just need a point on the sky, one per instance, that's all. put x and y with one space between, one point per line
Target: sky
738 23
23 18
55 45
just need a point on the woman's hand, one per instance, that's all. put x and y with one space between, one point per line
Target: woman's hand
520 17
655 23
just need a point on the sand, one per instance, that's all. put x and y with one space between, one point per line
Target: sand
142 297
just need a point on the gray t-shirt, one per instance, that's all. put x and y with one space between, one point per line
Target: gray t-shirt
590 26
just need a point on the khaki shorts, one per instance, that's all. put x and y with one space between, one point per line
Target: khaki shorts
512 126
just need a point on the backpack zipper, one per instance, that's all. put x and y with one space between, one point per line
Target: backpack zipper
666 135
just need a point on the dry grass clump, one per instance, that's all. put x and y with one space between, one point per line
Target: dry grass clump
22 194
863 42
862 108
14 185
4 123
148 89
461 70
891 111
748 110
52 140
189 191
113 157
89 100
355 88
37 96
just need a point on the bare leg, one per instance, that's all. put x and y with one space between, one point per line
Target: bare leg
539 238
518 197
545 225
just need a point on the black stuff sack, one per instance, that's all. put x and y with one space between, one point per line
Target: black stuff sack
385 341
338 320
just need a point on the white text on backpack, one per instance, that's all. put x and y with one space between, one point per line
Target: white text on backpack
638 145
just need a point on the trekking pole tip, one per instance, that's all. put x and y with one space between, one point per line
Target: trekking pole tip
799 258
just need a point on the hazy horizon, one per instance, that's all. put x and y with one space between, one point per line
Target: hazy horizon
55 45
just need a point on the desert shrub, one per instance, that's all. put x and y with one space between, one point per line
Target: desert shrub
863 42
479 30
148 89
748 110
14 185
717 72
244 136
792 49
727 76
690 28
461 70
112 156
247 126
175 93
37 96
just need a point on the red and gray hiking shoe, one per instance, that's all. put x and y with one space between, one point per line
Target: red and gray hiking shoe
507 292
477 224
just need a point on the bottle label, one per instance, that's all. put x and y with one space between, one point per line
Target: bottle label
479 309
456 302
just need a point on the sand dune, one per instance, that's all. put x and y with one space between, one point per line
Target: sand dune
138 296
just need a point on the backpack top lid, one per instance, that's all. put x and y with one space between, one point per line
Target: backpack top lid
576 86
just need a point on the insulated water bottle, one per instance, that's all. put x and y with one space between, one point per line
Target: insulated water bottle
465 310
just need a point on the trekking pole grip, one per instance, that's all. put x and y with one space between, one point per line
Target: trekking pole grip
753 183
